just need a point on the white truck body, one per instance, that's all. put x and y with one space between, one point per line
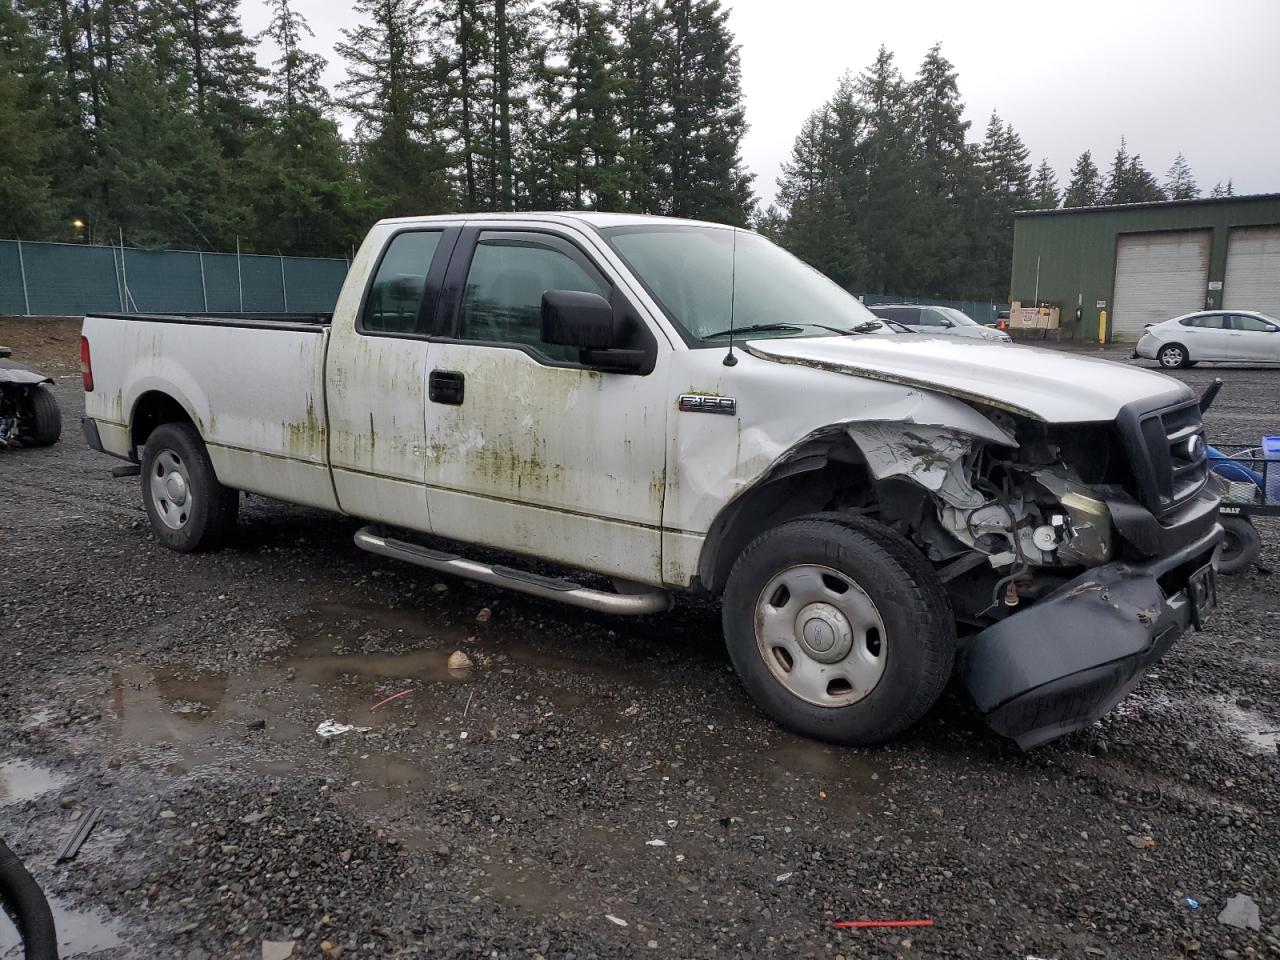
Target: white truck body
614 472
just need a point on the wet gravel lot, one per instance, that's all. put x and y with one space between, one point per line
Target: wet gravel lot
592 787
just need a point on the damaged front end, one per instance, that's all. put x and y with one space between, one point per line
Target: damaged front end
1074 555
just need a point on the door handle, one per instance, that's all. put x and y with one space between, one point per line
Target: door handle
446 386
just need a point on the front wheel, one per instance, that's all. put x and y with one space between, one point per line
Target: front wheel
43 421
188 508
839 629
1172 356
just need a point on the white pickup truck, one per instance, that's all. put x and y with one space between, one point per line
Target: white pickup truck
680 407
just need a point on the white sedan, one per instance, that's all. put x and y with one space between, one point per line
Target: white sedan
1243 335
938 321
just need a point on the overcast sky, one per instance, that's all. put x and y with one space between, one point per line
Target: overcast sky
1200 76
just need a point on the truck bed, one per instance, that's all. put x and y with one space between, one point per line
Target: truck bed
299 322
251 383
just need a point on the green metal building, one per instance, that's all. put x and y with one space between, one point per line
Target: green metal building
1146 262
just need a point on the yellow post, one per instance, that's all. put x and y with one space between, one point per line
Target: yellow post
1102 326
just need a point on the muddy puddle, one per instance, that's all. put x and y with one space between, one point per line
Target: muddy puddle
81 933
22 780
342 660
1250 725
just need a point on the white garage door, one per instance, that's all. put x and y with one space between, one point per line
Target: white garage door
1158 276
1253 270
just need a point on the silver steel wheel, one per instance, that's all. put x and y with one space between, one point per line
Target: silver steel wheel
1171 357
820 635
171 489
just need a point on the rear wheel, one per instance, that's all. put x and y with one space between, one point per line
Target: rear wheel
839 629
1173 355
188 508
1240 545
43 421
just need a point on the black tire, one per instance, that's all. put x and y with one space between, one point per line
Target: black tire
1173 356
1240 545
919 628
43 424
195 512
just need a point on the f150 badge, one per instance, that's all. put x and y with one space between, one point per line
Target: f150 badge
697 403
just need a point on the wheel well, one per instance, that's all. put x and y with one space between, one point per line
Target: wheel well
153 409
824 473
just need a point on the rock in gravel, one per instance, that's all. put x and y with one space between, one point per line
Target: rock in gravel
1241 912
458 660
277 949
484 615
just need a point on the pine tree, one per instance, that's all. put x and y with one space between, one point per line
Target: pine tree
582 136
880 177
1220 191
641 106
26 129
1179 183
463 93
946 179
400 154
306 200
1005 183
169 182
699 152
1044 188
1086 187
207 48
1129 181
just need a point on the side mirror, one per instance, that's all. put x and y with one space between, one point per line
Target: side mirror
574 318
945 322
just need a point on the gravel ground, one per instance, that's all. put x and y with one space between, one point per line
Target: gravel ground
592 787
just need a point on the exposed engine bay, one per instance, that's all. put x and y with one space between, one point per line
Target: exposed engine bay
1015 517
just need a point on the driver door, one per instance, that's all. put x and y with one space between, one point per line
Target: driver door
527 449
1251 338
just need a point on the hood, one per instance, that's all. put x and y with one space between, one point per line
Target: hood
1048 385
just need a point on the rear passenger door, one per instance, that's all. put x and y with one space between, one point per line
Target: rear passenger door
376 374
1205 336
528 450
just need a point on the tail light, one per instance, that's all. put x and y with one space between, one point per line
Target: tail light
86 365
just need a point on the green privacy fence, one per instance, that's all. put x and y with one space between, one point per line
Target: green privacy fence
983 311
71 279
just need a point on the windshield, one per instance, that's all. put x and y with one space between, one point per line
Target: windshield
958 317
691 272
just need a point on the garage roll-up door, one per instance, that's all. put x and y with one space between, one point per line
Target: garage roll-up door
1253 270
1158 276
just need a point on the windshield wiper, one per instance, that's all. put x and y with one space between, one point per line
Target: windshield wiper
752 328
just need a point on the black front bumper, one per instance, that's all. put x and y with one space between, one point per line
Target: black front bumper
1059 665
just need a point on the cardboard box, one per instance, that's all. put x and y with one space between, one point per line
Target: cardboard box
1033 318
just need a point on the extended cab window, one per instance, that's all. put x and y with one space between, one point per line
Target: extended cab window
396 294
505 284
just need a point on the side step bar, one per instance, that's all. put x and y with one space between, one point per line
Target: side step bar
652 600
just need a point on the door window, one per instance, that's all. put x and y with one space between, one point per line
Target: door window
1209 321
393 302
1254 324
505 284
926 318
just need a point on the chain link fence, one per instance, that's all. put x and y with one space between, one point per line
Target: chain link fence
70 279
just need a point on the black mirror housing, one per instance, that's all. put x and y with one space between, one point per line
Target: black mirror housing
576 318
